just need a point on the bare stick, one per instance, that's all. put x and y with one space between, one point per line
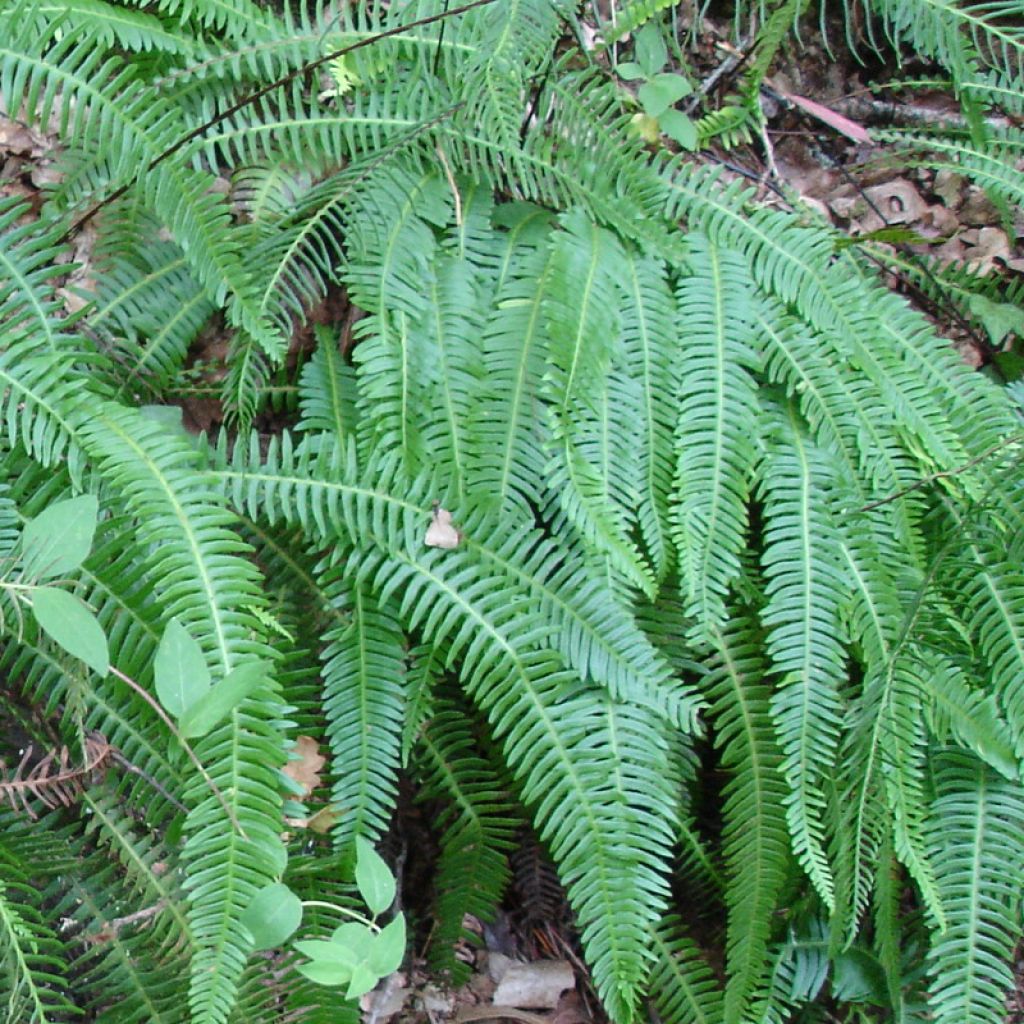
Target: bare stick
1005 443
451 184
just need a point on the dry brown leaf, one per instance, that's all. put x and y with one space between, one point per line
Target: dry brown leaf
441 533
305 768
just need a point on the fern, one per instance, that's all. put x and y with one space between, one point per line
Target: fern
977 850
730 605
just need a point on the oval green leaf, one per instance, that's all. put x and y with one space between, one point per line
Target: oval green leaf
388 949
676 125
199 718
657 95
273 915
649 49
68 622
58 540
322 972
182 677
373 878
363 980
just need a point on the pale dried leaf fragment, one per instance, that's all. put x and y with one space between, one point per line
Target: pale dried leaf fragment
305 767
441 533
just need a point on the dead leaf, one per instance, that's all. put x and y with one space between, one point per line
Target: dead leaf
898 201
441 533
536 985
305 767
843 125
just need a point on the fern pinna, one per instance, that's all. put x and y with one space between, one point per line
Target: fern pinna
721 506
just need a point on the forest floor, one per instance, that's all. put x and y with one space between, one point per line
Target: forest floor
818 105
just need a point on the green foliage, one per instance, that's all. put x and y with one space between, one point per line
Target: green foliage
607 494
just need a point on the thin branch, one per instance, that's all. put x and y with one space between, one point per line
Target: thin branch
1005 443
215 789
258 95
127 765
452 184
111 929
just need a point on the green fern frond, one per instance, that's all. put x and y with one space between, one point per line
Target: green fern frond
29 260
970 715
631 15
206 584
755 842
364 701
328 391
682 986
44 75
548 725
33 986
991 166
963 38
653 356
450 331
116 25
589 408
975 846
805 586
714 435
509 462
389 252
516 40
114 968
478 828
326 489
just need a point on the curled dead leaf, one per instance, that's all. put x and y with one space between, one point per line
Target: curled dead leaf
441 533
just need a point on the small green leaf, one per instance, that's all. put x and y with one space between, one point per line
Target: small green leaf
629 71
373 878
273 915
58 539
180 670
998 318
323 972
199 718
676 125
318 949
71 624
388 948
354 937
363 980
649 49
662 92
